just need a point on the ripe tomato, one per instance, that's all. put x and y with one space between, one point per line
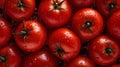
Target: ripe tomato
82 3
87 23
9 57
40 59
64 44
5 32
113 25
103 50
55 13
19 9
81 62
107 7
30 36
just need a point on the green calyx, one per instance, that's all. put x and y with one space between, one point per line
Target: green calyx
3 60
21 5
24 32
88 25
57 4
112 5
59 50
108 50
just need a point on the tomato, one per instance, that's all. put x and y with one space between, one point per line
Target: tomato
19 9
56 13
64 44
87 23
107 7
40 59
81 61
103 50
116 65
82 3
113 25
5 32
10 57
30 36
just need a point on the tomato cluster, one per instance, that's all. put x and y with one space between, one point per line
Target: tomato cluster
59 33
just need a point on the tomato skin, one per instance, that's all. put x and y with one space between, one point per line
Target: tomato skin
18 14
116 65
5 32
35 38
99 47
79 20
64 44
82 3
113 25
103 7
42 59
81 61
13 57
54 17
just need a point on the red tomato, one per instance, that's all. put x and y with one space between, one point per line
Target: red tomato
82 3
30 36
40 59
55 13
19 9
5 32
103 50
116 65
64 44
113 25
87 23
10 57
81 62
107 7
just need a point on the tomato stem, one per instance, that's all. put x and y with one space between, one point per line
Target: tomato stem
112 5
88 25
24 32
3 59
108 50
21 5
57 4
59 51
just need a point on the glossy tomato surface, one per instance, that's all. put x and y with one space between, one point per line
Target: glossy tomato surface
55 13
87 23
5 32
19 10
10 57
30 36
42 59
107 7
64 44
82 3
103 50
113 25
81 61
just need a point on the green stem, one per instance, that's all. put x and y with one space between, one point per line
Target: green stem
59 50
108 50
57 4
21 5
88 25
3 59
24 32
